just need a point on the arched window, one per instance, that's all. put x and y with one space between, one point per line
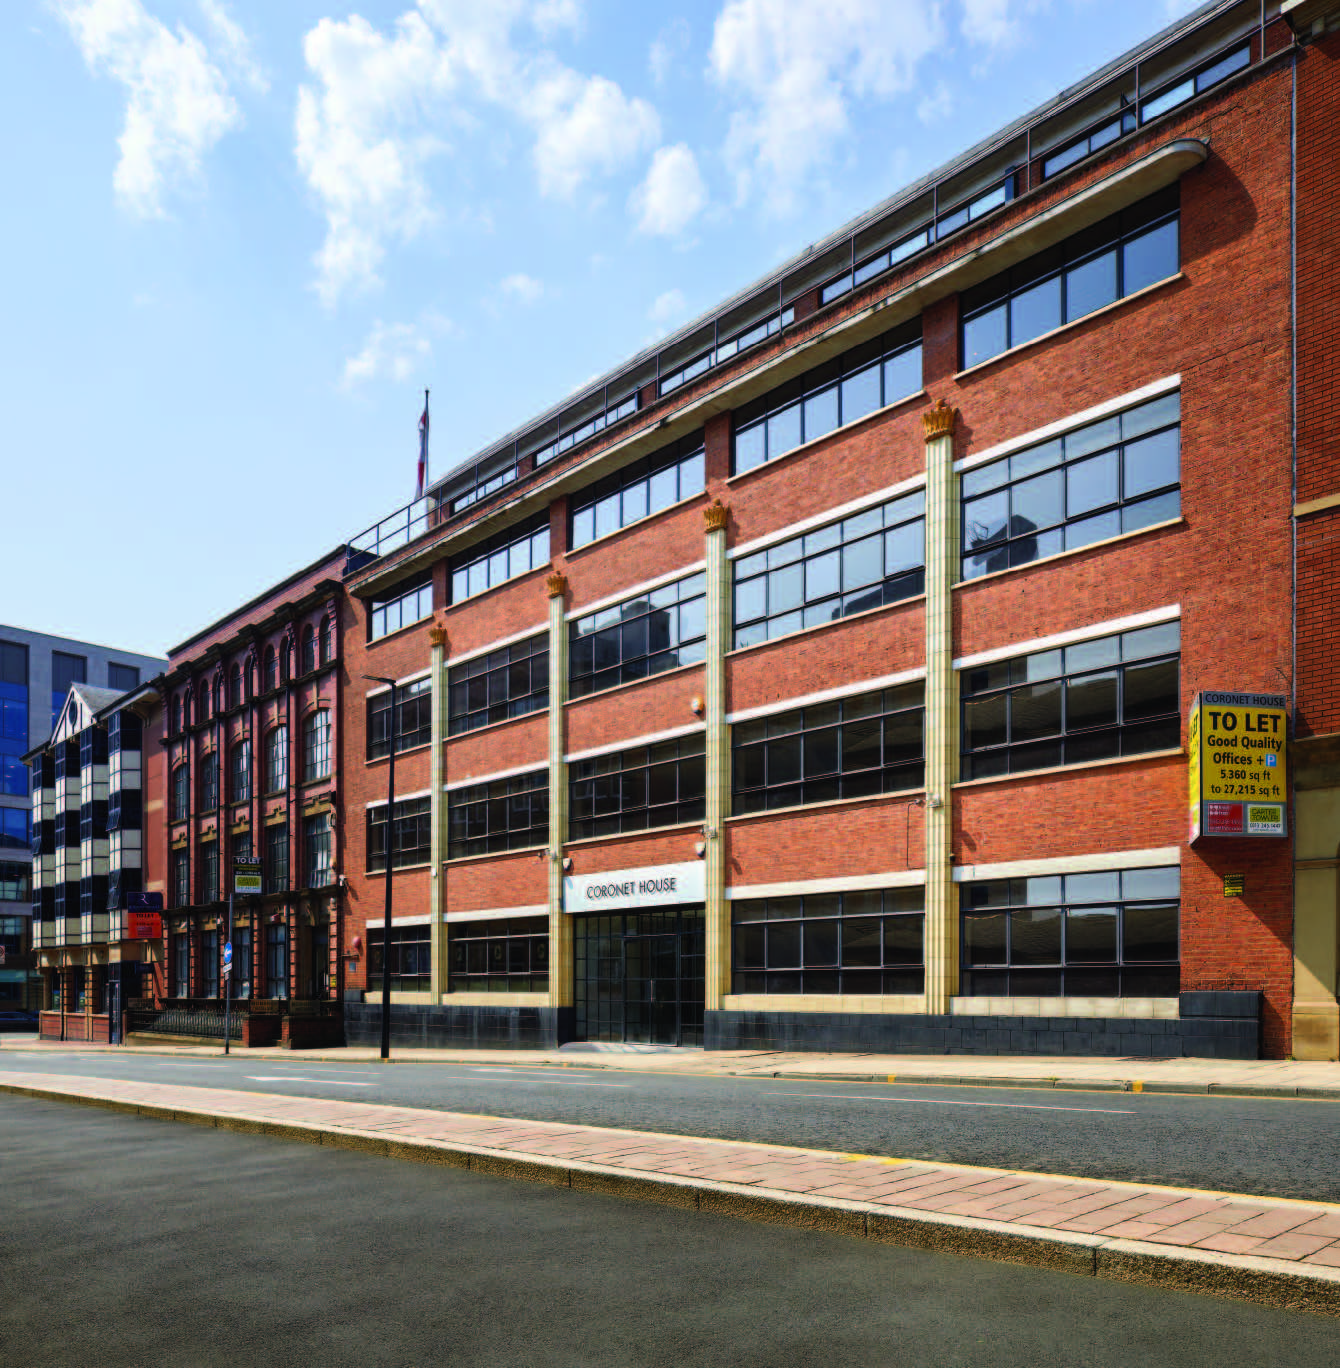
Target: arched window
235 686
239 772
176 714
308 657
220 701
316 745
181 792
327 641
276 760
202 702
186 708
209 781
286 660
271 673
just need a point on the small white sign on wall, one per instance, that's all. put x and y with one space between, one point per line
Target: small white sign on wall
618 890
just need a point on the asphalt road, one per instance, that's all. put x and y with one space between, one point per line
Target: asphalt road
130 1241
1271 1147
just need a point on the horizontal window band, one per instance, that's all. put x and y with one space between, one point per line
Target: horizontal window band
1070 423
1171 613
1070 864
842 883
497 913
400 683
650 739
635 591
475 652
827 695
535 767
401 798
1051 771
1099 545
418 919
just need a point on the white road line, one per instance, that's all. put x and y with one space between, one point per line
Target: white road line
561 1082
945 1102
291 1078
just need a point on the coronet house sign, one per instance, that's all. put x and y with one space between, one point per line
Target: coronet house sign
616 890
1237 763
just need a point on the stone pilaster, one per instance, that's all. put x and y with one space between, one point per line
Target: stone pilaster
560 925
437 899
716 517
941 727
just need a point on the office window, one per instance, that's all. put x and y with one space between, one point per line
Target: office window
65 670
399 606
869 942
414 718
241 846
316 851
1117 257
1217 69
316 745
873 558
15 832
276 858
662 630
1111 696
491 563
181 965
122 677
209 963
510 955
176 715
181 878
242 961
270 670
638 490
13 719
239 779
509 682
1113 476
410 968
202 702
276 960
855 747
504 814
413 834
1112 933
728 348
575 436
276 759
208 858
209 781
839 392
308 650
326 641
181 792
641 787
15 881
235 692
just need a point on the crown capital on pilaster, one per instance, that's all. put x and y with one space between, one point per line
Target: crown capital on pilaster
939 421
556 585
437 636
715 516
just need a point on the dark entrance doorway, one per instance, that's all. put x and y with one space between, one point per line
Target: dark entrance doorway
640 976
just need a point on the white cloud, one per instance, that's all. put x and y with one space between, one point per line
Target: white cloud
392 351
672 195
936 105
668 309
233 46
794 66
522 288
379 102
586 126
178 103
668 48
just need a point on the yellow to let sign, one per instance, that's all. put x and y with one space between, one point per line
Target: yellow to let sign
1237 770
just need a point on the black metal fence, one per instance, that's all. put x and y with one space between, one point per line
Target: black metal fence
204 1017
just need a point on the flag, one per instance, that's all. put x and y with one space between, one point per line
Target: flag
423 450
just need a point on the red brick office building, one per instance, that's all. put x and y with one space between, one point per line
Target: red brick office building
251 742
821 678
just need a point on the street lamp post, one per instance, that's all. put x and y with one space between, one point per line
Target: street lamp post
390 843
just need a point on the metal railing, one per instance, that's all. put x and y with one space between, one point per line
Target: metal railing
184 1018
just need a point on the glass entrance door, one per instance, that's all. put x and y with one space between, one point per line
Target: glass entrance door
640 977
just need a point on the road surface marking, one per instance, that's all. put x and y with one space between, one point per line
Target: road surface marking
292 1078
945 1102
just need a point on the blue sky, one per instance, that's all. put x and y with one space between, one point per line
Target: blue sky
242 236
